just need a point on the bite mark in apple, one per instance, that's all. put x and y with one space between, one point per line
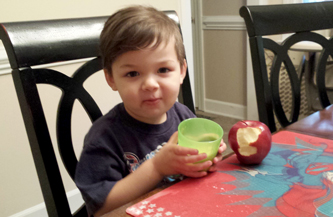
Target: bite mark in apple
245 137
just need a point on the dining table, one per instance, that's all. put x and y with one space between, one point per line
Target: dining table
295 179
319 124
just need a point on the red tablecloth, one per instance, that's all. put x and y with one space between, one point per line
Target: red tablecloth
295 179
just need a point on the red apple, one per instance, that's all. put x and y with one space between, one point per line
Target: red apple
250 140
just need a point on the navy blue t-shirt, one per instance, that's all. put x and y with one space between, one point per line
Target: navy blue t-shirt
118 144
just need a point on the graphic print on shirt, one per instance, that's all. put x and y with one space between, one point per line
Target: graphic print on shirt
133 161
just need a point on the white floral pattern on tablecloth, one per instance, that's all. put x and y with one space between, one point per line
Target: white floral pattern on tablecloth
147 209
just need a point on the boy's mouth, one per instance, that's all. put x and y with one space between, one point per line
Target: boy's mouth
152 100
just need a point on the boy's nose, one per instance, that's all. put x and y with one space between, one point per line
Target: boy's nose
150 83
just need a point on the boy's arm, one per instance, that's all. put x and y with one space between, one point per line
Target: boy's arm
144 179
172 159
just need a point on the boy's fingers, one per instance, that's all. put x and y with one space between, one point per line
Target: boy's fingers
222 148
212 168
179 150
195 174
197 166
197 170
192 158
218 158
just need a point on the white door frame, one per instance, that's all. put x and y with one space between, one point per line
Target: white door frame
198 57
186 24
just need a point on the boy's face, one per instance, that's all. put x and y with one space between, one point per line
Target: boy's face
148 81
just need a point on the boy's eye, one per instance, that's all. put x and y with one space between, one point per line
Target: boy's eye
132 74
163 70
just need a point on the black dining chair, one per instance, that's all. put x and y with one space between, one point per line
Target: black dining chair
299 20
35 43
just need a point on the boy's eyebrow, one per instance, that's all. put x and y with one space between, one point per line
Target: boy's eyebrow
129 65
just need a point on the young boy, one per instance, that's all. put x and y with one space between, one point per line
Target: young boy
134 147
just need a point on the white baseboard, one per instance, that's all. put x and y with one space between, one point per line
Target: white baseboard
225 109
74 198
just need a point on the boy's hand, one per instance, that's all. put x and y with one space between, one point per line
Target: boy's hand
174 159
219 156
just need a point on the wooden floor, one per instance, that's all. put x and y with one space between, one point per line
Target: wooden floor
225 122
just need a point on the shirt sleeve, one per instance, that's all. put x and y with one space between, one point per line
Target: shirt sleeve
99 169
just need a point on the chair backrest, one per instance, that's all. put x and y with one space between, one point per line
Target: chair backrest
300 20
35 43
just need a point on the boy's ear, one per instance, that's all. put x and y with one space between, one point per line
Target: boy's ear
109 79
183 71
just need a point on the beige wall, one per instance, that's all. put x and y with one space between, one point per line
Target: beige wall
17 10
221 7
19 184
224 55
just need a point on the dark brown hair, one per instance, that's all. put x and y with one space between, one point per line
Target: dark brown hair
137 27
